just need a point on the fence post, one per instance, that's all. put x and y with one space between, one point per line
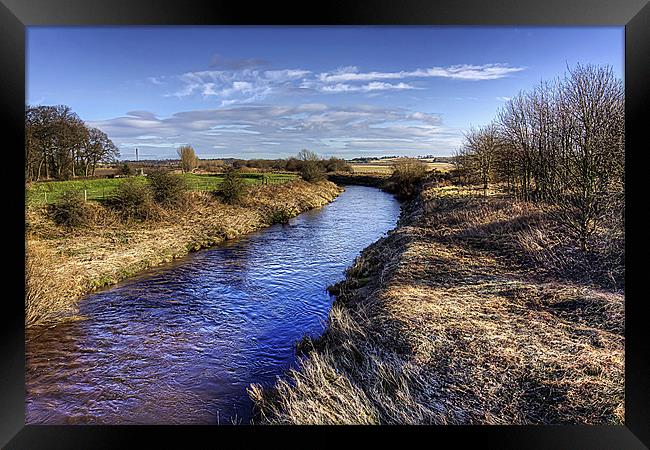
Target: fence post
85 196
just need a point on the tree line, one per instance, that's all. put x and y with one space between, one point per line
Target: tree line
562 143
295 163
59 145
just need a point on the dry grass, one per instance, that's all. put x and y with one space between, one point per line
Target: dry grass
63 264
455 318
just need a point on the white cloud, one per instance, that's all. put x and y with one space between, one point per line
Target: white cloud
254 85
280 131
461 71
373 86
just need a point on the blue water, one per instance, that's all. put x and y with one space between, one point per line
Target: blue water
181 343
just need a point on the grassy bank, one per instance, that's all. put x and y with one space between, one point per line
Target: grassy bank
64 264
42 192
472 311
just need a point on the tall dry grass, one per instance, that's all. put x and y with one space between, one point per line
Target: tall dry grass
456 318
64 264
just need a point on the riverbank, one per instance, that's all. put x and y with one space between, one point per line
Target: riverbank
63 265
473 310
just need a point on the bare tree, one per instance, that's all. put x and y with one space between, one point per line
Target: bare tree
308 155
594 158
97 148
561 143
188 158
480 154
310 166
58 144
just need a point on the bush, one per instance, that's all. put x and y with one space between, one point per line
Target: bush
280 214
168 188
70 210
233 187
312 171
407 174
126 169
133 200
310 165
337 165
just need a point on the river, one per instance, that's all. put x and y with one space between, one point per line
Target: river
180 344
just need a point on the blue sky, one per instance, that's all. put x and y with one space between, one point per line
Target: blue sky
252 92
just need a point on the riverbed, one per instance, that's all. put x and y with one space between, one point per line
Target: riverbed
181 343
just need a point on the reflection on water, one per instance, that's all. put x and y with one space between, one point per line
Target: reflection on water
180 344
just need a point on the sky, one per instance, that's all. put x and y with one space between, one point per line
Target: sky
268 92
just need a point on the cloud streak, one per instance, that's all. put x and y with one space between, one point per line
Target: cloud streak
240 123
246 85
460 72
281 131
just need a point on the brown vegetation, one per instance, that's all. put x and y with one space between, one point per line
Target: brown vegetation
63 264
474 310
407 175
310 166
563 143
188 158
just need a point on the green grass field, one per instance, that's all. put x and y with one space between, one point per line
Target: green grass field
101 188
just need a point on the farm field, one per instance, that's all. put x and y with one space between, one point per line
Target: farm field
385 166
102 188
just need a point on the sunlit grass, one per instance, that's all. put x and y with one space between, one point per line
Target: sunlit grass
102 188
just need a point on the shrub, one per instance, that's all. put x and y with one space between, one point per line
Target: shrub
126 169
70 210
310 166
407 174
168 188
133 200
336 165
312 171
233 187
280 214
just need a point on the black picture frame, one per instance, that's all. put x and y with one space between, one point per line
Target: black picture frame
16 15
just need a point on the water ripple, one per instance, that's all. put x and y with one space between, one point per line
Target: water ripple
180 344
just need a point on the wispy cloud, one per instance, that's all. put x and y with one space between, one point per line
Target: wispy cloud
264 130
249 85
462 72
241 124
155 80
373 86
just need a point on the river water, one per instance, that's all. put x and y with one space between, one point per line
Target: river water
180 343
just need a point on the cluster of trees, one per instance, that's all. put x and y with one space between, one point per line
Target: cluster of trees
561 143
58 144
294 164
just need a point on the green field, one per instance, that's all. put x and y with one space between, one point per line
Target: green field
101 188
